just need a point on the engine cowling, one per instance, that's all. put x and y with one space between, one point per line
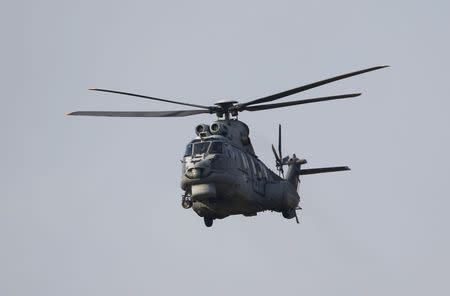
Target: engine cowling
202 129
218 129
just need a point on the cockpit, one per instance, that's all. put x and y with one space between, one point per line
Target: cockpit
207 147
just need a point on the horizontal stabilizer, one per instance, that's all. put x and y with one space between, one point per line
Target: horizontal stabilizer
323 170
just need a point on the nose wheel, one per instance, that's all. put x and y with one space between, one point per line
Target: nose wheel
208 221
186 201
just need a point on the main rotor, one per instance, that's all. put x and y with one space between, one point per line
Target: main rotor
223 109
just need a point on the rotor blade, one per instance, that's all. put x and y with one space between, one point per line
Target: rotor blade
299 102
323 170
308 86
180 113
150 98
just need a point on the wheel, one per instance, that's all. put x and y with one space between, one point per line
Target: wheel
185 203
288 214
208 221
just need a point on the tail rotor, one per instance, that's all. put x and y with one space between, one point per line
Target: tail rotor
295 171
279 160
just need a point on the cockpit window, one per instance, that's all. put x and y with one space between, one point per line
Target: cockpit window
200 148
188 151
215 148
203 148
244 161
252 165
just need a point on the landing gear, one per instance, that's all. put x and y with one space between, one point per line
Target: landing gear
289 214
186 201
208 221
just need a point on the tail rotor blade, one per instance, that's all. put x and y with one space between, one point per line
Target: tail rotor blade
277 158
279 141
279 150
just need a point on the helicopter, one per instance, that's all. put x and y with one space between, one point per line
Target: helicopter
221 174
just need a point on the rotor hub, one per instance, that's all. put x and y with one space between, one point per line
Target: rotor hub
225 104
225 107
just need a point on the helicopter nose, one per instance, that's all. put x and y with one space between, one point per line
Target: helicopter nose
199 170
203 192
194 173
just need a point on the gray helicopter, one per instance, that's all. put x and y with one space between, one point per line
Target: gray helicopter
221 174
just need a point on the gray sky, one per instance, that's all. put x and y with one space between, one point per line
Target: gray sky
91 206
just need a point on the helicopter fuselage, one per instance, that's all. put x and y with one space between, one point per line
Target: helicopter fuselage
222 176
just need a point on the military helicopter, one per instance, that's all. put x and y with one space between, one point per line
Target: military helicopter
221 174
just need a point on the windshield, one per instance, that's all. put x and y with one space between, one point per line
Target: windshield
203 148
200 148
188 151
215 148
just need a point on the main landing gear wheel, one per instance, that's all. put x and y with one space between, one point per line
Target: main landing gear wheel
208 221
186 202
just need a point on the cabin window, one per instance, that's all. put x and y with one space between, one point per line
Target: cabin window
252 165
264 169
234 156
188 151
238 160
200 148
216 148
244 161
258 170
225 149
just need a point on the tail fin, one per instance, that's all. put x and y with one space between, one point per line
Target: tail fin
294 170
294 164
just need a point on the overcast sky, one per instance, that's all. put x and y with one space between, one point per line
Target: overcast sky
91 206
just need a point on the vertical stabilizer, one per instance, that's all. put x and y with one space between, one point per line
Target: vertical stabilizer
294 170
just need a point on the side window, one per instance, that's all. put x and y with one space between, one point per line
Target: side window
252 165
228 149
215 148
233 154
244 161
188 150
201 147
258 170
264 171
238 159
